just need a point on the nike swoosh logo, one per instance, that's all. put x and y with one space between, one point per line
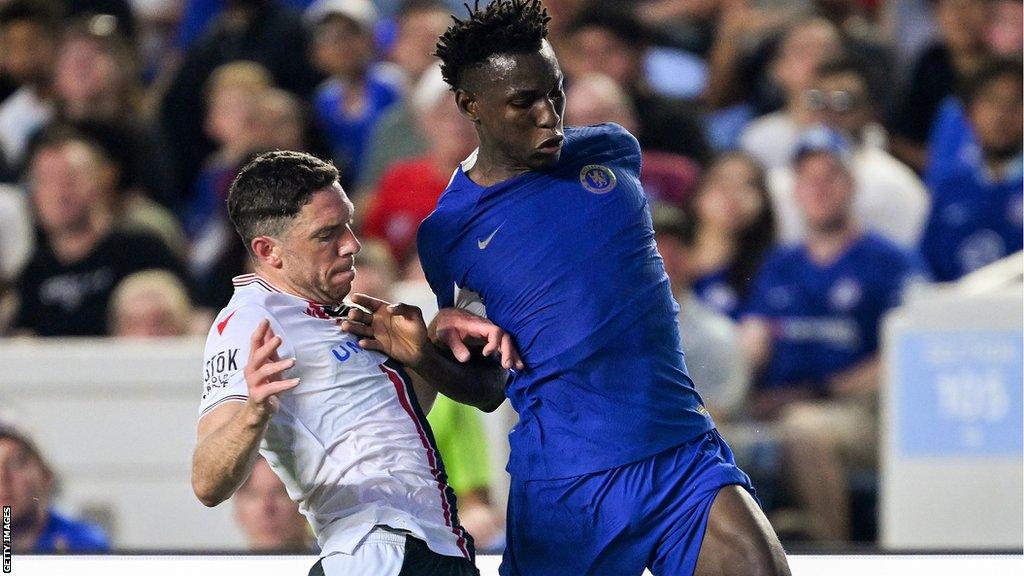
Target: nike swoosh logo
482 244
222 325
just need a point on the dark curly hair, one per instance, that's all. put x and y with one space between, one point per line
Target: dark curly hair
272 189
503 27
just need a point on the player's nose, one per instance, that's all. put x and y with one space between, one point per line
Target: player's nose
548 115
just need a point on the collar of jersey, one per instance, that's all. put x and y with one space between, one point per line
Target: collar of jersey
316 309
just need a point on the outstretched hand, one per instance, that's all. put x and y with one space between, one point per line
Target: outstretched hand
264 369
393 329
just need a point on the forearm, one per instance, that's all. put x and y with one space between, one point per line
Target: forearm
480 382
224 458
860 380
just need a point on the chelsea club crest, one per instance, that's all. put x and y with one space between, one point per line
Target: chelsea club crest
597 179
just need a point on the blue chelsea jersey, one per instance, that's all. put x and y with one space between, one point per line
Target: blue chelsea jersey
564 260
825 318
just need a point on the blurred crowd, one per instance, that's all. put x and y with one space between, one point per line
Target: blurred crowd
806 162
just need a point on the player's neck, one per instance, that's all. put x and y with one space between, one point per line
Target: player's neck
281 282
826 245
490 169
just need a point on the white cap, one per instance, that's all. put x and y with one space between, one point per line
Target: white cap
362 12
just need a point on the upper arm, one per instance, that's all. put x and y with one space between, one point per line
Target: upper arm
216 418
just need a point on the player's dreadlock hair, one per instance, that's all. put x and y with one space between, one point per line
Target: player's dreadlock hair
503 27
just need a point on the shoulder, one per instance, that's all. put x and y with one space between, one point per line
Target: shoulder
76 535
884 253
601 143
783 256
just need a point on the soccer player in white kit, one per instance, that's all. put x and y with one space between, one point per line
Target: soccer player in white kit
343 426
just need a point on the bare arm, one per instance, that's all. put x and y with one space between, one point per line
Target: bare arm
858 380
229 436
398 331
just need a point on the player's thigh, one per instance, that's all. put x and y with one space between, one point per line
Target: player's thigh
573 527
738 540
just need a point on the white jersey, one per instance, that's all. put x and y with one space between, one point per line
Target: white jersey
350 441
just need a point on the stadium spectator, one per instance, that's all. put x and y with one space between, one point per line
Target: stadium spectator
936 74
350 102
889 199
268 517
96 80
261 31
283 122
976 212
83 251
397 135
811 334
952 144
612 42
710 339
409 189
735 223
595 99
234 95
151 303
806 43
26 485
28 41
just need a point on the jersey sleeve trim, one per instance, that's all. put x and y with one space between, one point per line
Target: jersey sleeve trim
231 398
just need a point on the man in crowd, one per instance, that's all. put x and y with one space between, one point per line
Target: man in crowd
26 485
811 333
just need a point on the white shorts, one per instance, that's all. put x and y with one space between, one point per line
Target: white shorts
380 553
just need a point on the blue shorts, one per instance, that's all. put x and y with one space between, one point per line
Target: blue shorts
648 514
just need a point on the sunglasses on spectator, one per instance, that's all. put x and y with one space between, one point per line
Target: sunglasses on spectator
834 101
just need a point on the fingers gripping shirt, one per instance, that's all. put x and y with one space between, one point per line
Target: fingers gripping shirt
350 441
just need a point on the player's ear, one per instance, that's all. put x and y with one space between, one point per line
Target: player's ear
267 251
468 106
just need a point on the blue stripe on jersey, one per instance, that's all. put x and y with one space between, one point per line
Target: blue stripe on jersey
565 261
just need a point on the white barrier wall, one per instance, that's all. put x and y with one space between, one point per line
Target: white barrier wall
952 467
117 421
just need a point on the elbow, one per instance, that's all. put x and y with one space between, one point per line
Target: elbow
206 494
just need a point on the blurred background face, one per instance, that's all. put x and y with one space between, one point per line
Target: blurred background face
680 263
728 198
341 47
841 102
26 51
450 135
599 51
1004 32
24 483
233 117
594 98
267 516
824 192
417 39
280 122
148 314
85 76
997 117
68 182
961 22
803 48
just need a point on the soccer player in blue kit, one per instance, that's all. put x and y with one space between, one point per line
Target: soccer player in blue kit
615 463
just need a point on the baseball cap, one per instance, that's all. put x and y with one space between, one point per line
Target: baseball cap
362 12
821 139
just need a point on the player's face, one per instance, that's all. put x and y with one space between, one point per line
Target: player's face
269 518
23 482
997 117
824 191
520 103
318 251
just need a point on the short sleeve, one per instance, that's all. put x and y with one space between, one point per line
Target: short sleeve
432 259
227 350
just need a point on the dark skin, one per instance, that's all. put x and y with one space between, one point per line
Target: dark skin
516 102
